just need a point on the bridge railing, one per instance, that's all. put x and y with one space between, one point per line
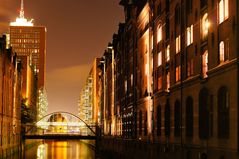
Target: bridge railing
60 129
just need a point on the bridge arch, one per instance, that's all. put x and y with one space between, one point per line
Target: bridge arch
47 118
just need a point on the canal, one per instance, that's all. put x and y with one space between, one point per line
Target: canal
58 149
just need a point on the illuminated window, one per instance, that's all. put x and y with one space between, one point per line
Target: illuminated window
131 79
168 81
125 85
160 83
223 10
167 56
178 73
221 51
152 44
160 58
190 68
205 64
189 35
146 69
205 25
178 43
159 34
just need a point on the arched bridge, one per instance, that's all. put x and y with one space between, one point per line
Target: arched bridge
60 125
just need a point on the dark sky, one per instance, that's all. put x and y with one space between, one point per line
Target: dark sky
77 32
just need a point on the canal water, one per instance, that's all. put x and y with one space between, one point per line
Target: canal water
58 149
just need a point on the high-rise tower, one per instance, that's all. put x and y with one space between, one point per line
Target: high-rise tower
29 40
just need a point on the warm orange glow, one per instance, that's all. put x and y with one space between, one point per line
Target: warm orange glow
159 83
205 25
159 34
167 54
223 10
189 35
160 58
144 16
221 51
205 63
168 81
178 44
178 73
61 150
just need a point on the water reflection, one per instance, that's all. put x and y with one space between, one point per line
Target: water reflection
42 151
62 150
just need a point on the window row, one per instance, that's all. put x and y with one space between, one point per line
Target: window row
223 55
205 116
223 14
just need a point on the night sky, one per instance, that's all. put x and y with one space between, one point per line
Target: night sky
77 32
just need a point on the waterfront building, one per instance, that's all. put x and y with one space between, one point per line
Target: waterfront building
89 103
182 59
10 100
85 103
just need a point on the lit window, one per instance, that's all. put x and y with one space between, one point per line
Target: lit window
125 85
205 63
221 51
146 69
205 25
160 58
167 57
189 35
159 83
168 81
223 10
178 73
131 78
159 34
190 68
152 43
178 43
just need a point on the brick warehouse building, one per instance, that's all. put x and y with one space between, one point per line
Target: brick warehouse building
176 77
169 81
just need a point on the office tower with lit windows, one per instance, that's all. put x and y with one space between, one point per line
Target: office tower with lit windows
29 40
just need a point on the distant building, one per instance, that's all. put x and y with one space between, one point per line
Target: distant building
10 100
42 104
89 103
85 104
29 42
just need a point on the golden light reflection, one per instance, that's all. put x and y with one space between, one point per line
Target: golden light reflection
60 150
71 149
42 151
